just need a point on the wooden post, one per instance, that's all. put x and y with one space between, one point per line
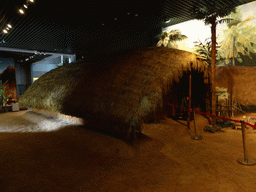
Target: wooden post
189 95
245 160
195 136
173 111
213 69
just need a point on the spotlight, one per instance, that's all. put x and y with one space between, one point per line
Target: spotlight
9 25
25 6
5 31
21 11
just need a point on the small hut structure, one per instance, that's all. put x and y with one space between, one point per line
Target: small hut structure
118 92
240 82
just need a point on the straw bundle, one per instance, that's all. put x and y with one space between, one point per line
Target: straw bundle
240 81
119 89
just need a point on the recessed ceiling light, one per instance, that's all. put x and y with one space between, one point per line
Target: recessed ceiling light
5 31
25 6
32 1
21 11
9 25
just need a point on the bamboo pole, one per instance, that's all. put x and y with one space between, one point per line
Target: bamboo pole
245 160
195 136
213 69
189 95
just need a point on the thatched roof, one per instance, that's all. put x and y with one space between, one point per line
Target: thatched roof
123 88
241 81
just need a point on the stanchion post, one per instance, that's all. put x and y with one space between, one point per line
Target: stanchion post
173 110
195 137
245 160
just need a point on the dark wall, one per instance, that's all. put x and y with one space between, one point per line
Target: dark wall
23 77
116 41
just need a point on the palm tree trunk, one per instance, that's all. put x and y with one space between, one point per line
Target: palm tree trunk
234 46
213 69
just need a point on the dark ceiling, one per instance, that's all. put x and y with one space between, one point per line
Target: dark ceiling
90 26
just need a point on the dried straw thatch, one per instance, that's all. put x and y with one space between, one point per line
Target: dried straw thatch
121 89
240 81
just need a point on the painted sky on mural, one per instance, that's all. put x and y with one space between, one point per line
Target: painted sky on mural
196 29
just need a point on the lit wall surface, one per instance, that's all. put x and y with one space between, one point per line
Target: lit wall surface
244 34
5 62
44 66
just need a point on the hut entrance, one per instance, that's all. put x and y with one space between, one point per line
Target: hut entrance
178 94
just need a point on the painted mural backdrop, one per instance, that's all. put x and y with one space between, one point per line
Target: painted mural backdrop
8 76
236 40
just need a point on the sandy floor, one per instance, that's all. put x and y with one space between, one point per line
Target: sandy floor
69 158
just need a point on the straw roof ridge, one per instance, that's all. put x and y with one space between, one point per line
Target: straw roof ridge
122 87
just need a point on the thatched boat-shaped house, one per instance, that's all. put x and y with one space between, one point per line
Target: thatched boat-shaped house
118 92
241 84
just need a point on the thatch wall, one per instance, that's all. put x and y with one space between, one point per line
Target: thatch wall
240 81
121 89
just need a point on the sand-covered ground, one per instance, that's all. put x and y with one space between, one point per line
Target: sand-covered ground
39 153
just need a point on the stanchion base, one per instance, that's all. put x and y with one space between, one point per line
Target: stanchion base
196 137
246 162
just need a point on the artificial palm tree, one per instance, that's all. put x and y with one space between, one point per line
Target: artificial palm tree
204 49
168 39
238 38
210 12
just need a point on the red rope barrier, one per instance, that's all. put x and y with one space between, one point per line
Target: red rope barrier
200 112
